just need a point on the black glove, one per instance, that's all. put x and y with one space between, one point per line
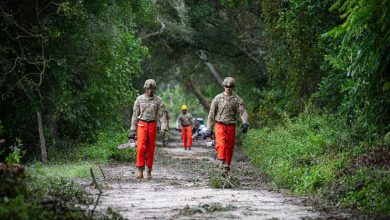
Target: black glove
244 128
209 133
131 135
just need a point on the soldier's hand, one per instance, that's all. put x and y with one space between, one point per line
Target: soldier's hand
244 128
164 132
131 135
209 133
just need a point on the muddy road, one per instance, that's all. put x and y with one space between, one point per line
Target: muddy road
183 187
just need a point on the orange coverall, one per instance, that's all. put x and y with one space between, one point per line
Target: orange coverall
186 136
224 141
146 133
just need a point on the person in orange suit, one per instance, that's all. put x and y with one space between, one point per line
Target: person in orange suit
224 110
185 121
148 108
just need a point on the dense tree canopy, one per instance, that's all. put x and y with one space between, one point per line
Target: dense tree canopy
71 61
76 61
313 72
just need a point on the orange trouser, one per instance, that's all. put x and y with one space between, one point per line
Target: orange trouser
186 136
146 138
224 141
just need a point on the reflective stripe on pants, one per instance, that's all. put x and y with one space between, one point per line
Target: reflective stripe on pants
146 143
186 136
224 141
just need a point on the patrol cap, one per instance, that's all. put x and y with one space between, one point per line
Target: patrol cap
228 81
150 83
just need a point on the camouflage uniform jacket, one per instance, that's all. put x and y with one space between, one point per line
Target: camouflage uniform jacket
224 109
149 109
185 119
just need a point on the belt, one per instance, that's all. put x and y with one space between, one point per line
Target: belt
185 126
225 123
147 121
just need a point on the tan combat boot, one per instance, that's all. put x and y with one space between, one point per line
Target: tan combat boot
149 174
140 173
225 169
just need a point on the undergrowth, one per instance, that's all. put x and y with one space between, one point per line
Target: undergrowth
102 150
37 196
49 191
319 154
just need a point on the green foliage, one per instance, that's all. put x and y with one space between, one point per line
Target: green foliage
368 190
102 150
16 208
358 60
348 63
229 39
1 128
180 97
79 74
272 109
15 155
237 3
68 170
106 148
293 29
37 197
364 33
315 153
114 56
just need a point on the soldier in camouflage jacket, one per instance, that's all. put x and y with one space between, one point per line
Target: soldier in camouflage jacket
223 114
148 108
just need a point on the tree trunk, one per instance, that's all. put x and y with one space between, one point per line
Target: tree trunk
42 138
217 76
53 128
192 87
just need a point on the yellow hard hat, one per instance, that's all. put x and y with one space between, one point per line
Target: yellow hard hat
183 107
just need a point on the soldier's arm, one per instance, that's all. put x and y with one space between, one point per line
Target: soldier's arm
211 118
243 111
134 118
162 116
180 120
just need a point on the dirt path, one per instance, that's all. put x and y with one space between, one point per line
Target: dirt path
180 190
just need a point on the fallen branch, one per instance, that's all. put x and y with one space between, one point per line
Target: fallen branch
228 182
98 188
101 170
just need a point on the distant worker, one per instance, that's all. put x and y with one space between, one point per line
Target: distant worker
148 108
223 114
185 122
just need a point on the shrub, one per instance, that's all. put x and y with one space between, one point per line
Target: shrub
317 153
39 197
103 150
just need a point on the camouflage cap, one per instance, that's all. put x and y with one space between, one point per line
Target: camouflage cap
150 83
228 81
